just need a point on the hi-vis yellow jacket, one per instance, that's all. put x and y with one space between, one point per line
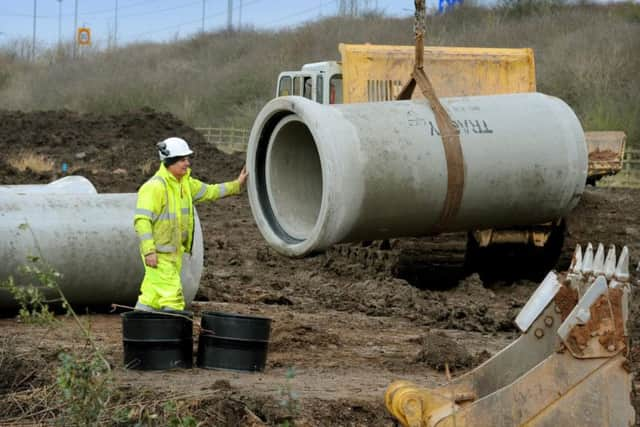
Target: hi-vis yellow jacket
164 217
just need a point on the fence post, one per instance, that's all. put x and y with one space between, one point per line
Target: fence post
226 138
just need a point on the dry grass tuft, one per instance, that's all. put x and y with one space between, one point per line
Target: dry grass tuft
38 163
148 166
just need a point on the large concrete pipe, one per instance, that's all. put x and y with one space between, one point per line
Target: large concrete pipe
328 174
69 184
89 239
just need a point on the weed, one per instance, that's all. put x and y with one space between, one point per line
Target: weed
289 399
34 308
175 418
171 413
86 383
86 386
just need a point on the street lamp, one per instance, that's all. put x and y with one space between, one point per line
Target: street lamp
75 30
59 23
115 36
33 38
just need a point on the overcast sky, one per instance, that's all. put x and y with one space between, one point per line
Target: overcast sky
160 20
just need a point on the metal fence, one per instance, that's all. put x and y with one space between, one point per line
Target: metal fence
629 176
226 139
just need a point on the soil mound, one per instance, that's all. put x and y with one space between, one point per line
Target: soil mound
115 152
440 351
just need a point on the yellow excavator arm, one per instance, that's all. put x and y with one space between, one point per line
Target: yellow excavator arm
569 366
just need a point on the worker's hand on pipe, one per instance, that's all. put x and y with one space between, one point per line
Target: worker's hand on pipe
151 260
242 178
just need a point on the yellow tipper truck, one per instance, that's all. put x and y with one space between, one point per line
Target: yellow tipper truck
370 73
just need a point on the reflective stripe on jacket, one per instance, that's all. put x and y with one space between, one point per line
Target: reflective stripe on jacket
164 217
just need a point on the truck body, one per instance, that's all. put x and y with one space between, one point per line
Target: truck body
606 153
371 73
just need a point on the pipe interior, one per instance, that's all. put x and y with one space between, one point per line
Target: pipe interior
294 178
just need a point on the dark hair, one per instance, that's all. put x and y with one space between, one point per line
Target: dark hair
171 160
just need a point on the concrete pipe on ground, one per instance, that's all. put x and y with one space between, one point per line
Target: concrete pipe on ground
69 184
322 175
89 239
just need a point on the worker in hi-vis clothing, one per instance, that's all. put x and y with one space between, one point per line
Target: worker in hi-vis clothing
164 222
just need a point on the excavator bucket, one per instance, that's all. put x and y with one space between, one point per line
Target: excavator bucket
569 365
606 153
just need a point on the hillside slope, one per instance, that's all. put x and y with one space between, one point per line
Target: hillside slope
586 55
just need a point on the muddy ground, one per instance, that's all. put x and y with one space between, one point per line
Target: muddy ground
345 323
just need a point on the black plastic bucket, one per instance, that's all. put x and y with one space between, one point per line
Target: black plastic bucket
155 341
233 341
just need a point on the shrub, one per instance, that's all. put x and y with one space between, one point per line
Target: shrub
86 386
31 297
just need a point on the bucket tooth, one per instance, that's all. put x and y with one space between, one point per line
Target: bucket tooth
581 314
587 260
610 262
598 261
576 260
622 269
542 296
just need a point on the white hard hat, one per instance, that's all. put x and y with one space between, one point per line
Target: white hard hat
173 147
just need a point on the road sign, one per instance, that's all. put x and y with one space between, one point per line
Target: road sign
84 36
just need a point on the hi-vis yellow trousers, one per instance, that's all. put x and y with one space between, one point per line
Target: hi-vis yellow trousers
161 287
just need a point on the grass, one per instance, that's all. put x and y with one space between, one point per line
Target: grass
585 54
148 167
27 160
623 179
